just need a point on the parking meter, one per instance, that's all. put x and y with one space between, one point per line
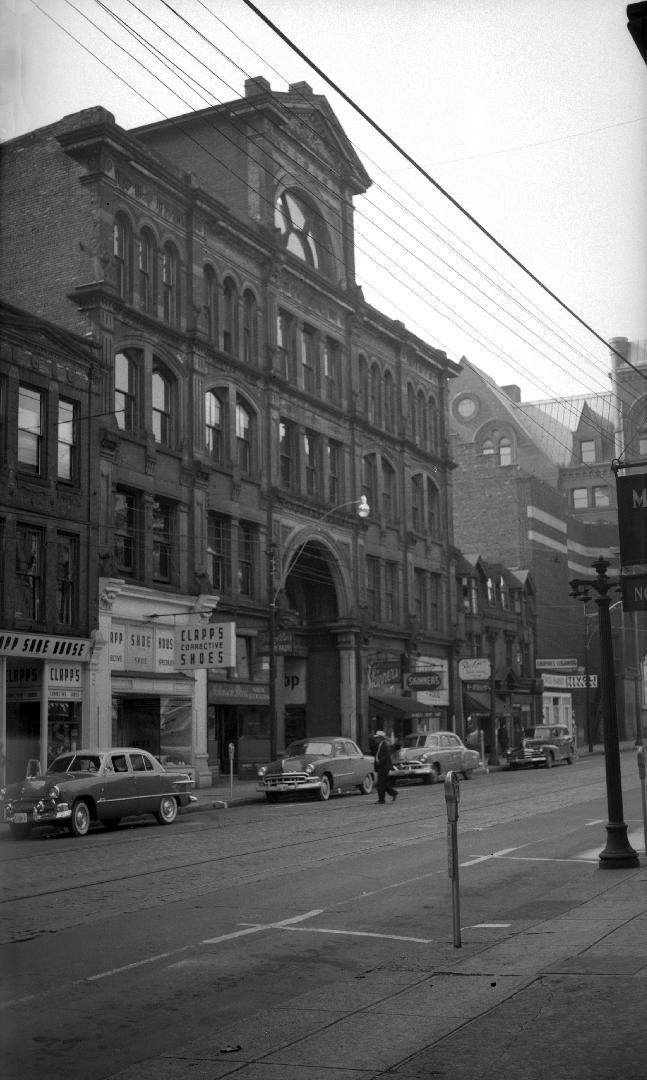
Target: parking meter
641 762
452 796
452 799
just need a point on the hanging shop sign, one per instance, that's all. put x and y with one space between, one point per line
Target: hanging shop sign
205 645
423 680
474 668
64 681
632 518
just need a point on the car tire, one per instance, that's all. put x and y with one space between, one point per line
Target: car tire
366 786
434 775
549 761
111 823
167 812
20 832
512 767
467 774
570 760
323 794
79 824
271 796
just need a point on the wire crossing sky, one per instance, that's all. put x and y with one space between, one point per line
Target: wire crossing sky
532 117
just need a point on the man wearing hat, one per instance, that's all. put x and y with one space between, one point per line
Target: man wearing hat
383 766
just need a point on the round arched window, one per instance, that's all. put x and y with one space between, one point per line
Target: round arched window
300 228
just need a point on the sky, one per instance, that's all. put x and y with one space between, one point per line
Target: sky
531 115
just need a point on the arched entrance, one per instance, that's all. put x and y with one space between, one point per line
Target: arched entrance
316 695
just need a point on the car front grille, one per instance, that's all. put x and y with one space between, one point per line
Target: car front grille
276 779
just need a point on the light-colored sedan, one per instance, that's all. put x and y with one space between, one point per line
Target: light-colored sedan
84 786
320 766
428 757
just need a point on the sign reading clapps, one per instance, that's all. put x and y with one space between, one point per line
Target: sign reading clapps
205 645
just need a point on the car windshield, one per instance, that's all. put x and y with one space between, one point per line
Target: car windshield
415 740
309 747
75 763
538 733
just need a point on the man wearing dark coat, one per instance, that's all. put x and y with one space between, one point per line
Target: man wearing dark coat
383 766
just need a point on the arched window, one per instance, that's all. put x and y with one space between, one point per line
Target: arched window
363 384
171 285
433 508
389 506
369 480
210 303
147 258
230 318
434 432
302 229
163 392
389 402
214 422
417 495
411 412
244 436
122 249
375 388
126 389
488 448
250 328
505 452
421 408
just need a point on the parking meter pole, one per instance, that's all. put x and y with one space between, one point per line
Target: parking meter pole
232 750
452 798
641 773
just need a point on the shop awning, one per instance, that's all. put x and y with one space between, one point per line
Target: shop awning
479 704
398 705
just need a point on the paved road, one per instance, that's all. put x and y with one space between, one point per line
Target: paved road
122 945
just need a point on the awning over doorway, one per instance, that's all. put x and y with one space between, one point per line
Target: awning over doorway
397 705
480 704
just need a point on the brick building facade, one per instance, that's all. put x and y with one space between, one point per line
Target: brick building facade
252 398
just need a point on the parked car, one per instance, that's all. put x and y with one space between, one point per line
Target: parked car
428 757
321 766
95 785
544 745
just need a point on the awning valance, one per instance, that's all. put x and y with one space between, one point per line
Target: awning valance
479 705
398 705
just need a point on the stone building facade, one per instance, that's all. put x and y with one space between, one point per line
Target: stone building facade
252 399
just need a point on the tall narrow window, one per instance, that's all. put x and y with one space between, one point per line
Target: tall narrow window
505 452
416 504
587 451
301 228
244 439
31 426
420 597
170 282
308 361
230 316
213 426
432 508
369 480
373 587
162 397
312 463
126 534
146 267
389 509
162 539
250 328
434 602
434 432
287 454
389 402
125 391
67 435
363 385
67 576
219 552
488 448
246 558
210 304
391 592
411 412
285 345
122 253
332 371
334 473
423 431
374 406
30 546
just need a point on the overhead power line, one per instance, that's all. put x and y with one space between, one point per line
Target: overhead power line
423 172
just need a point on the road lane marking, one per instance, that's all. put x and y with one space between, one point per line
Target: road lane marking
263 926
356 933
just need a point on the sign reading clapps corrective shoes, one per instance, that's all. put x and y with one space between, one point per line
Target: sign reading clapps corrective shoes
205 645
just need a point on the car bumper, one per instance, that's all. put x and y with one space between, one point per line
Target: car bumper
411 769
37 815
526 759
282 786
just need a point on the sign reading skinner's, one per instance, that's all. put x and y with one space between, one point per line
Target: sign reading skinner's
205 645
632 518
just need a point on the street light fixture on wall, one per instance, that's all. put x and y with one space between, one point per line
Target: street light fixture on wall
363 511
618 851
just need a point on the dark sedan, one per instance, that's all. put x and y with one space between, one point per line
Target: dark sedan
84 786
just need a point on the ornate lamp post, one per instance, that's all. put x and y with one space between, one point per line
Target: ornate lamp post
363 510
618 851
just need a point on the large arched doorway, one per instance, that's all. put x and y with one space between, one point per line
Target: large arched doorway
310 606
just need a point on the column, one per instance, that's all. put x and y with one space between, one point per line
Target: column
347 646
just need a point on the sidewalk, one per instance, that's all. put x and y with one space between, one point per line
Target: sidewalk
560 992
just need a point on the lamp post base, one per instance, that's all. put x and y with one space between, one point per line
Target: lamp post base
618 853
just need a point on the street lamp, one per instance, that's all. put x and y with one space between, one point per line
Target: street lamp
363 511
618 852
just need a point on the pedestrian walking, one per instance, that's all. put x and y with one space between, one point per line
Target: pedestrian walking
383 766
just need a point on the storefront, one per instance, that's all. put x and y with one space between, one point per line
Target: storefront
44 686
399 713
238 716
